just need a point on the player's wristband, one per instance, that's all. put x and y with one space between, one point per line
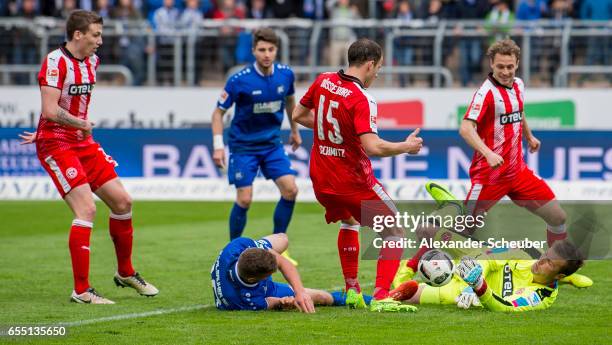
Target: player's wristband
218 142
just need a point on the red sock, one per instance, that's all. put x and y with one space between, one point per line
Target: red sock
348 250
386 268
120 227
78 242
552 237
414 261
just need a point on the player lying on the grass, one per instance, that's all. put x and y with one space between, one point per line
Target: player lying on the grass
241 278
443 198
503 285
515 281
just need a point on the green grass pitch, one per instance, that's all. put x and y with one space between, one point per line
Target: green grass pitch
175 245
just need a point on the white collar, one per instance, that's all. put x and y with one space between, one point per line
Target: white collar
240 280
260 72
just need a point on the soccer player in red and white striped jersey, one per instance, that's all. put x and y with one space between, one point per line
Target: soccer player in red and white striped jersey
345 134
77 164
493 126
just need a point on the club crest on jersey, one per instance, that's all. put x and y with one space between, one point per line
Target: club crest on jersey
71 173
506 119
80 89
280 89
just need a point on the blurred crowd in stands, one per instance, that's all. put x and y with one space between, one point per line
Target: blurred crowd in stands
188 12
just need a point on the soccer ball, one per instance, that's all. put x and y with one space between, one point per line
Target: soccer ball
436 267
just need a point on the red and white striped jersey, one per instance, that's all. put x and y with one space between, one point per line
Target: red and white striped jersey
343 111
76 79
498 111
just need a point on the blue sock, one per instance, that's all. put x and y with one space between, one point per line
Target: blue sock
340 298
237 221
282 215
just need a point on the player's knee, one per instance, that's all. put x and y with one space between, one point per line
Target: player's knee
123 204
282 241
290 193
244 201
557 218
87 212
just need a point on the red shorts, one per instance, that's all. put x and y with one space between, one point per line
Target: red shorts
76 166
344 206
526 190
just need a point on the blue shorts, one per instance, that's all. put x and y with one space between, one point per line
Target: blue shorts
243 167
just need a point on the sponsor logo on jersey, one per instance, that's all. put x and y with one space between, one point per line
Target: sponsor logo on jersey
71 173
256 92
80 89
267 107
506 119
507 286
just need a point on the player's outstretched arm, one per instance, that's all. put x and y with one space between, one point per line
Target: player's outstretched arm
303 116
377 147
470 135
303 301
281 303
53 112
319 297
217 131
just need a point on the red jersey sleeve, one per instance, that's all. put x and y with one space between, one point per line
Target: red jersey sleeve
52 72
366 112
479 105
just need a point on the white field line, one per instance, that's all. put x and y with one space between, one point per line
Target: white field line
154 313
136 315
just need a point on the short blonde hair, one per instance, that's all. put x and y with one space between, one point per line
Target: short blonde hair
504 47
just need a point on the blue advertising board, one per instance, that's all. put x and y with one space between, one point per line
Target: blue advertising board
565 155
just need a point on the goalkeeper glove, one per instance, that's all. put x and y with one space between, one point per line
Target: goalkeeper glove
467 298
471 272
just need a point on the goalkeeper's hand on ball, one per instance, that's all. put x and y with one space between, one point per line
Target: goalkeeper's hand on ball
467 298
471 272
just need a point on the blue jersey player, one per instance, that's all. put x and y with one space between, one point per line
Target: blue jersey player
262 93
241 278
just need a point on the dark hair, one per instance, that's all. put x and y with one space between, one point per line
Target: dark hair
79 20
266 35
568 251
362 51
504 47
255 262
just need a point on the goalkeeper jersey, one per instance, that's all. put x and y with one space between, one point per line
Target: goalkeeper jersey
510 286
